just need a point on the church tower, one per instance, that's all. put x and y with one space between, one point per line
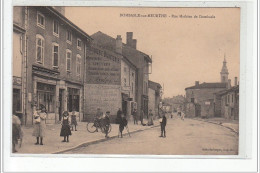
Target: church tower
224 71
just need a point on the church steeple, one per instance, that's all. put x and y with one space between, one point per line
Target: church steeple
224 71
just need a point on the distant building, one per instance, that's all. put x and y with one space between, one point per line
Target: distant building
154 94
201 97
139 59
229 102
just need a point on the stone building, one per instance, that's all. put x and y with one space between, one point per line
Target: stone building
229 101
19 60
154 94
137 58
110 80
54 66
201 97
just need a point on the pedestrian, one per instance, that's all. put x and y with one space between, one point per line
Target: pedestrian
150 118
163 124
39 124
122 124
106 121
171 114
182 116
118 115
142 117
97 118
135 116
65 128
16 132
74 121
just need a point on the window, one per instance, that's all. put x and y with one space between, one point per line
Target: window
56 28
133 74
228 98
68 60
69 37
124 81
55 54
78 64
232 98
39 49
46 96
132 87
73 100
79 44
40 20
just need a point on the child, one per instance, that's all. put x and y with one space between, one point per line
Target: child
106 123
122 124
163 124
65 129
74 121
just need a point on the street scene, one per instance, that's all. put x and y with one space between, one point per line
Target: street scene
102 84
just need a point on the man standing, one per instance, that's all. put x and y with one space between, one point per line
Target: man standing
118 115
107 123
163 124
135 116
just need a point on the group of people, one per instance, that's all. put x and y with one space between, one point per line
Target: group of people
40 125
150 117
103 120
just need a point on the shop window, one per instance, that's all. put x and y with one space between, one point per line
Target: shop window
39 49
16 100
56 28
55 54
46 96
73 100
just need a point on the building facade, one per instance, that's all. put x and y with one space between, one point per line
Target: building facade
19 73
154 95
132 57
55 57
110 81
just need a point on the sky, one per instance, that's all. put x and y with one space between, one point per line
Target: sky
183 50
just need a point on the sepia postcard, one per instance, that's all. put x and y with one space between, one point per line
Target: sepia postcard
110 80
127 81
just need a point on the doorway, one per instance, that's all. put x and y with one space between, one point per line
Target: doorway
61 104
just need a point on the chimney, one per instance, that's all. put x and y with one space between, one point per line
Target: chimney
229 84
197 83
134 43
119 44
130 41
235 81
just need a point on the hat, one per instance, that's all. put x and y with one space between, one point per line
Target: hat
65 113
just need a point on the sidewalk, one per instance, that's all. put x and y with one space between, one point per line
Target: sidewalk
230 124
52 140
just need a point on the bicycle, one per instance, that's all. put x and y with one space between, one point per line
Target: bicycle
93 127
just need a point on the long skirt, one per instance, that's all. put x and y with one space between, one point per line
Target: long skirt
65 130
39 129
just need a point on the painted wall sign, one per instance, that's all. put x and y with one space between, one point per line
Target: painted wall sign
102 70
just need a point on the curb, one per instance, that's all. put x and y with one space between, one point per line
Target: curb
85 144
230 128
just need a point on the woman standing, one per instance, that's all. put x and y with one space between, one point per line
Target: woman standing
65 129
150 121
39 124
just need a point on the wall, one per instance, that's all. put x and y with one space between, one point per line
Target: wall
18 16
151 103
17 56
105 97
128 79
189 109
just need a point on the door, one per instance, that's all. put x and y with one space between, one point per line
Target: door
61 104
197 110
16 101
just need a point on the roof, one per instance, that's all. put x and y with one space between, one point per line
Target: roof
154 85
67 21
208 85
108 42
232 89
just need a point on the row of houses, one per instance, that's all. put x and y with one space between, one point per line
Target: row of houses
58 65
218 99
